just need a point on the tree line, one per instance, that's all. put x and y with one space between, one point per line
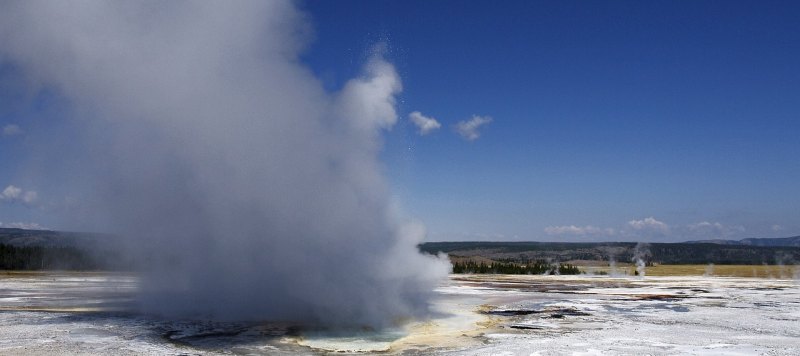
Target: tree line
536 267
37 258
662 253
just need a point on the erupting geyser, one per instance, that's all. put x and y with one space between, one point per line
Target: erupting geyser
247 190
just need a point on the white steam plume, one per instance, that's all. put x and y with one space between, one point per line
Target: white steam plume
641 253
251 192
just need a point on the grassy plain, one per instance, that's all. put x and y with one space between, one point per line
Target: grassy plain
756 271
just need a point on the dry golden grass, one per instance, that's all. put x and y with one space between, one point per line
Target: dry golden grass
757 271
476 259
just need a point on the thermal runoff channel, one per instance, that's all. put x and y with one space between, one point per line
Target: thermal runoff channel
244 188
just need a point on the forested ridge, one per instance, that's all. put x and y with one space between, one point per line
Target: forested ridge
537 267
54 250
35 258
659 253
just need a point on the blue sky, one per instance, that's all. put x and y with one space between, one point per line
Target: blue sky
625 120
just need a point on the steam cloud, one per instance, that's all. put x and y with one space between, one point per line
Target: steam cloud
251 192
641 253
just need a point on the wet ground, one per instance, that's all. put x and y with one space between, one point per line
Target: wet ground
71 313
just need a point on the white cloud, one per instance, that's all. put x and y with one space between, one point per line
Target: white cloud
424 123
12 194
651 228
578 230
11 130
705 225
468 129
706 229
777 227
649 224
22 225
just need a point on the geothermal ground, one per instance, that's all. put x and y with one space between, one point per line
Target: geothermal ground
83 313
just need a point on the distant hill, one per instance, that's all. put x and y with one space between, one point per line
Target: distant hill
103 250
665 253
780 241
47 238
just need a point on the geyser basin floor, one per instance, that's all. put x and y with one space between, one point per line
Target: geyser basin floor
489 314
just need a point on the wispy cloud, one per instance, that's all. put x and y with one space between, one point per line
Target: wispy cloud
10 193
706 229
642 229
650 224
587 230
425 124
650 228
468 129
13 194
12 130
705 225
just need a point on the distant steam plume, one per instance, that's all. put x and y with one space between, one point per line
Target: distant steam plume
709 270
641 253
250 191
